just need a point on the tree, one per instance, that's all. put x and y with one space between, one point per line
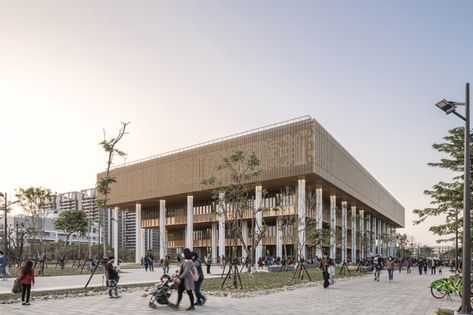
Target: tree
240 170
104 183
36 203
447 197
71 222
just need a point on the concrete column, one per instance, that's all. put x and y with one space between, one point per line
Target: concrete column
375 236
319 210
344 231
115 235
368 235
378 229
362 234
109 227
190 223
143 247
244 233
333 227
221 225
301 210
353 234
279 238
214 242
138 244
162 229
259 220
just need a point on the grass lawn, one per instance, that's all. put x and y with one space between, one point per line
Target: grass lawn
268 280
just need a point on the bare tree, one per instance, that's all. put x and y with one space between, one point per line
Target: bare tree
36 203
104 183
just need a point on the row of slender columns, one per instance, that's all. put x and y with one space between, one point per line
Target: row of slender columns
374 225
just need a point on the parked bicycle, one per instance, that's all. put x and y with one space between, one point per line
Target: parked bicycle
446 287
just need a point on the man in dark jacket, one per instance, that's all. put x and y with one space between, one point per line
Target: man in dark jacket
112 277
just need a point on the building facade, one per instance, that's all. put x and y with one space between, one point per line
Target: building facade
304 173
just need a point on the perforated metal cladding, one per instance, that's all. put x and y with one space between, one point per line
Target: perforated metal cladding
284 151
295 149
337 166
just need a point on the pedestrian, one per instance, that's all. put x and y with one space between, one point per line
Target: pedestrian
208 263
185 280
420 266
324 265
331 271
151 262
424 263
112 277
390 268
27 280
178 260
166 264
408 265
146 262
377 266
201 299
3 265
433 267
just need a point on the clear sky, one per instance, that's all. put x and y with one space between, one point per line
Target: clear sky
184 72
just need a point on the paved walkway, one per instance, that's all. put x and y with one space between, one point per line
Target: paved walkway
127 276
408 294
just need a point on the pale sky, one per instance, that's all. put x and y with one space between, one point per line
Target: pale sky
184 72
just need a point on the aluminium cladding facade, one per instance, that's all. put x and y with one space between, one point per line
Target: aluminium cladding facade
288 151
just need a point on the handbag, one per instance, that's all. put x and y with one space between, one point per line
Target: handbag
17 288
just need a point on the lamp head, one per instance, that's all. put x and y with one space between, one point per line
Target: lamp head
447 106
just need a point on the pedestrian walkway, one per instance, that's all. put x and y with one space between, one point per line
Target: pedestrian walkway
407 294
127 276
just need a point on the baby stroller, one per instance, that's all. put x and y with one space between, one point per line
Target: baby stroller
161 292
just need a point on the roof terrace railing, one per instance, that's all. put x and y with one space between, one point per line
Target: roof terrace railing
236 135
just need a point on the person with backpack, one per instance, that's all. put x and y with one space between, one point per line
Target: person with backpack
201 299
112 277
185 280
27 280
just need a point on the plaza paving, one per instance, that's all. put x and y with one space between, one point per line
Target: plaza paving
408 294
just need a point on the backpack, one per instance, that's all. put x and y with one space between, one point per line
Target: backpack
17 288
195 274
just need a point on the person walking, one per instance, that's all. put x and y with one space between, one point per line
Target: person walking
146 263
324 266
420 266
27 280
112 278
208 263
408 265
185 280
201 299
3 265
377 266
390 268
166 264
151 262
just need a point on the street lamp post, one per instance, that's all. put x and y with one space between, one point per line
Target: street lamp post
450 107
5 222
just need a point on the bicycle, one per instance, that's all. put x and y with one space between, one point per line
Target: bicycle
446 287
